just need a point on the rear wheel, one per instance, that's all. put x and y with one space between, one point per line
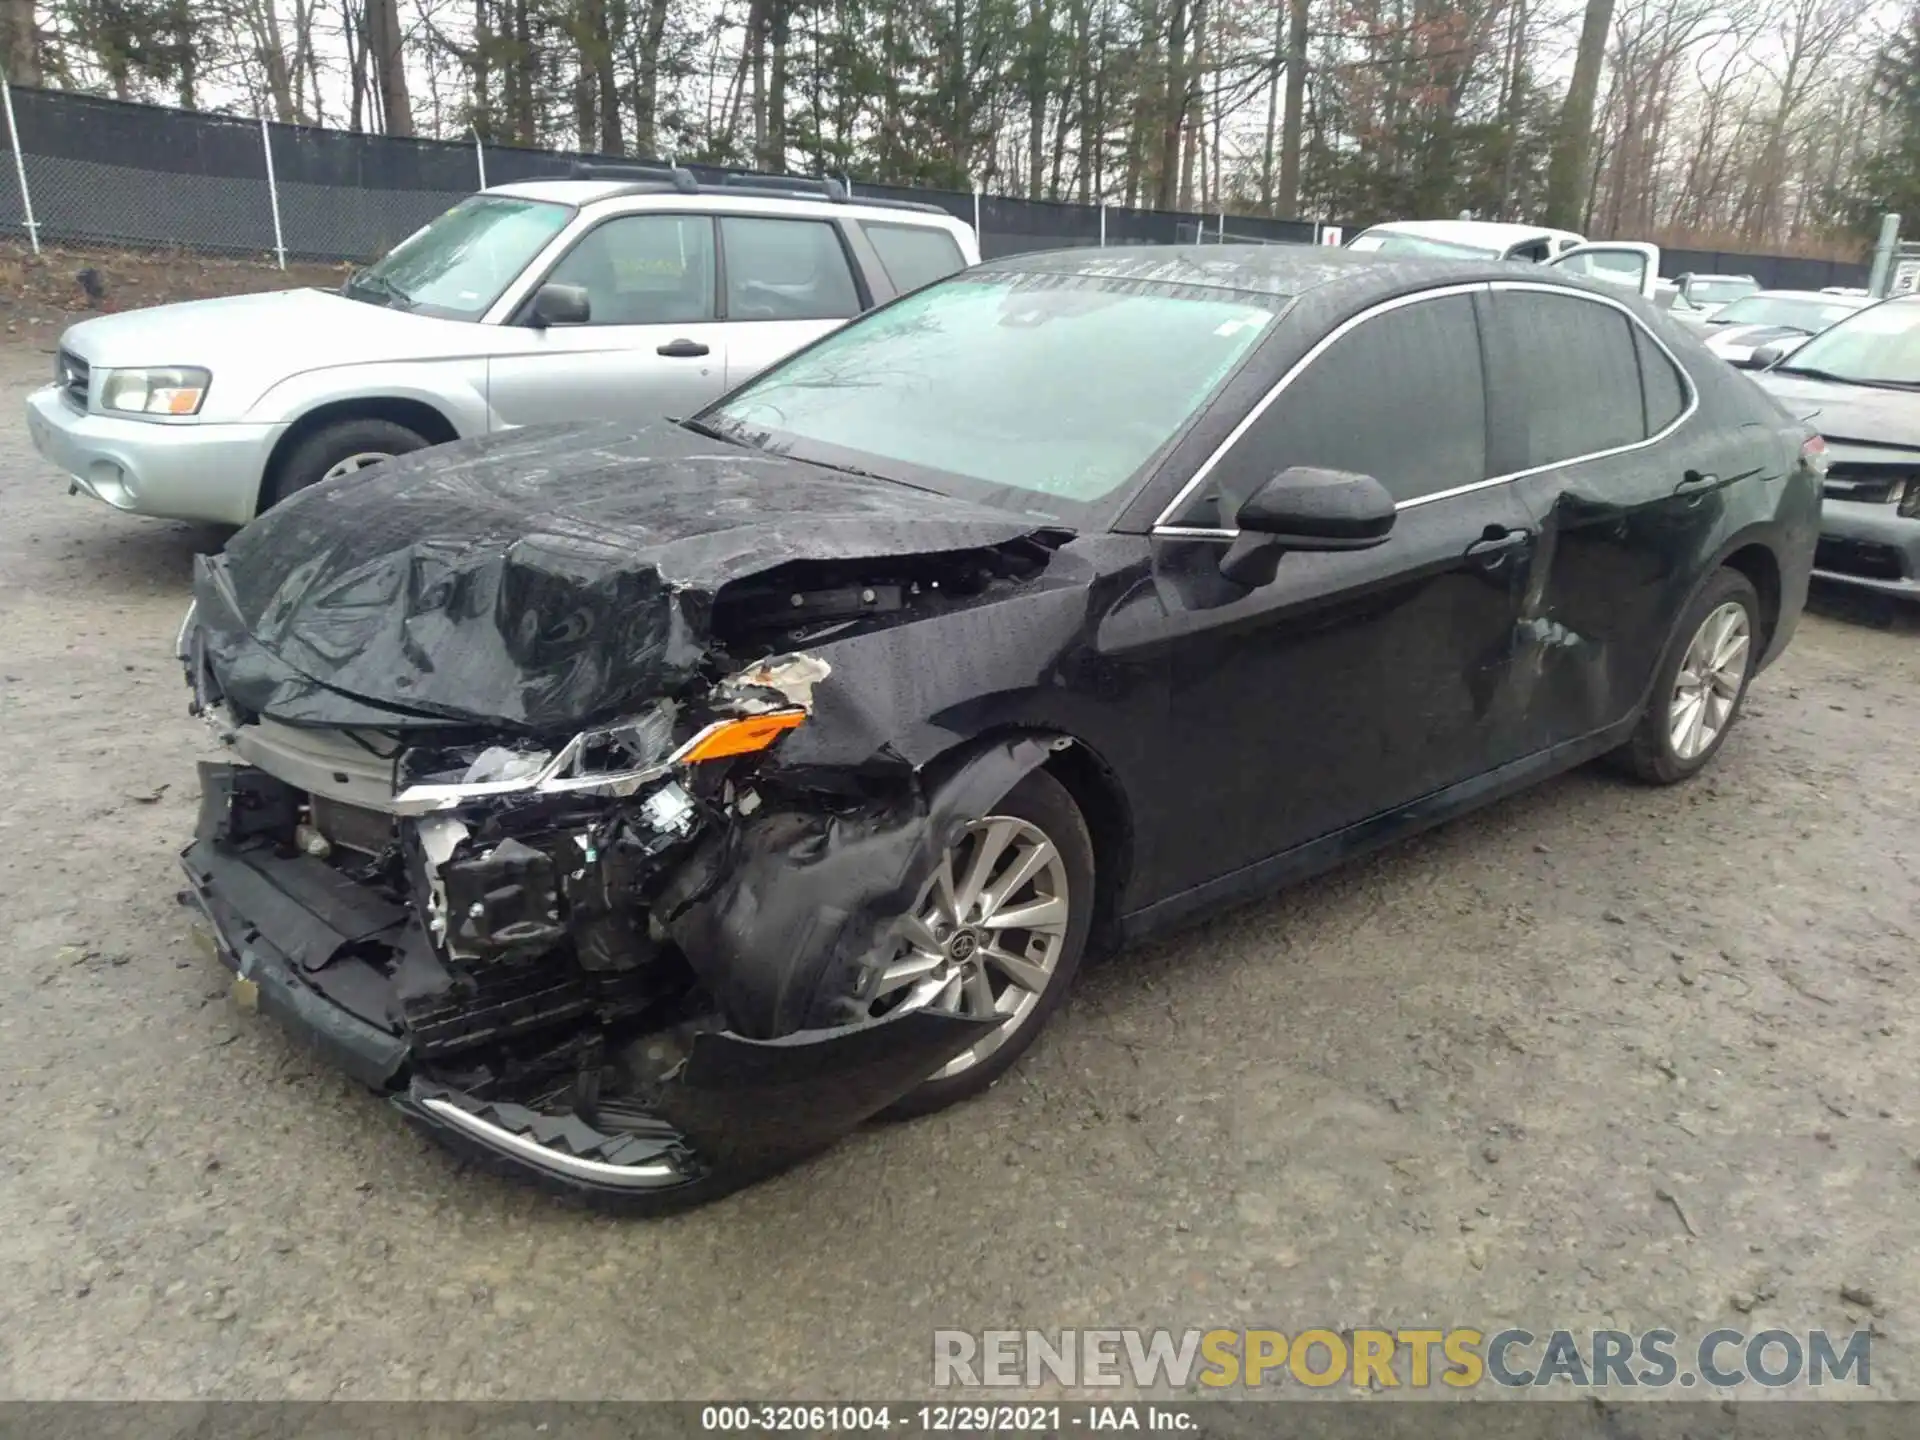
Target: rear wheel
344 447
998 931
1701 685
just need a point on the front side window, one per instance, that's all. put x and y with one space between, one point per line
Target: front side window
644 270
456 266
786 270
914 255
1568 378
1400 397
1626 268
1048 394
1876 346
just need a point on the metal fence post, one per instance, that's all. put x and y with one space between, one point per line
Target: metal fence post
20 168
1876 281
1220 230
1103 224
273 193
480 158
976 213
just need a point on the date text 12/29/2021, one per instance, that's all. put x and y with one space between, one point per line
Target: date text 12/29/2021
946 1419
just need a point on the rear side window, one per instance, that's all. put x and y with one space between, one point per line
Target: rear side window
1568 378
914 255
1400 397
786 270
1666 392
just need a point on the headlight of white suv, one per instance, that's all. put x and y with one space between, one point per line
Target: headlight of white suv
156 390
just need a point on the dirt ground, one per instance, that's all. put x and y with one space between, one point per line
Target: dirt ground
41 294
1600 1056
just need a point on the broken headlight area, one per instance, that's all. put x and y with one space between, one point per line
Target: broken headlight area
646 990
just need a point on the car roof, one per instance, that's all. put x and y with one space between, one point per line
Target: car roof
1715 275
580 193
1495 234
1279 271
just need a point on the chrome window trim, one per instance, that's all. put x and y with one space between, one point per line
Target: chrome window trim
1320 347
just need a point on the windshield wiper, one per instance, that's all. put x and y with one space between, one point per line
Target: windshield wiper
1814 374
395 297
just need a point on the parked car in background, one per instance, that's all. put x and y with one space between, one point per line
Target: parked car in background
802 749
624 297
1710 292
1858 384
1667 297
1779 320
1464 240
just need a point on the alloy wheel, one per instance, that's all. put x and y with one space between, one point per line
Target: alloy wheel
353 464
1712 674
984 938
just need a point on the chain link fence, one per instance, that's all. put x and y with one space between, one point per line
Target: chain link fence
96 171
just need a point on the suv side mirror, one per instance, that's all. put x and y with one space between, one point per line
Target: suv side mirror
1765 358
1303 508
556 304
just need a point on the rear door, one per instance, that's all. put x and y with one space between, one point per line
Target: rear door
652 346
1588 413
786 281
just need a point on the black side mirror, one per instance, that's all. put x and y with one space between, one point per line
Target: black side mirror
555 304
1765 358
1305 509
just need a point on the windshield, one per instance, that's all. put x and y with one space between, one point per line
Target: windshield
1043 393
1791 312
457 265
1388 242
1876 346
1718 292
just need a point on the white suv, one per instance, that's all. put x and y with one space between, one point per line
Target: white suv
630 294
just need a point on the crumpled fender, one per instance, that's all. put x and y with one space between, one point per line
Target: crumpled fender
783 916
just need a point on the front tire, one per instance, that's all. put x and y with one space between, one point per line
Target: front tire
342 448
1001 928
1702 682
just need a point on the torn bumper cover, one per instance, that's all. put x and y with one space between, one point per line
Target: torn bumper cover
619 1084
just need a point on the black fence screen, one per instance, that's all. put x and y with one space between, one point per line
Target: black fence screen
105 171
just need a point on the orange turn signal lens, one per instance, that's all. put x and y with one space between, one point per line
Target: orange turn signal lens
744 736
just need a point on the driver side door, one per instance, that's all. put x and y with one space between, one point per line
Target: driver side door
1630 264
652 345
1356 681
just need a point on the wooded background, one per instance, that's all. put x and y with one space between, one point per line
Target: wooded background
1782 125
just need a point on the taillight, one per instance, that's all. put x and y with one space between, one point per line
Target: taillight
1813 454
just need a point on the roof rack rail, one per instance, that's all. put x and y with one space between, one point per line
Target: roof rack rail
682 180
787 185
644 176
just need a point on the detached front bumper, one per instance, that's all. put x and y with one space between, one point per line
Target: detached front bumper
300 937
184 471
1869 545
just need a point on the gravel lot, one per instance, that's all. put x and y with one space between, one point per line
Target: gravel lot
1599 1056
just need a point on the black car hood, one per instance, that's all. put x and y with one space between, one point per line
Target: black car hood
540 579
1862 413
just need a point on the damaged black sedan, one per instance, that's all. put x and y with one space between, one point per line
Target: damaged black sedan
642 810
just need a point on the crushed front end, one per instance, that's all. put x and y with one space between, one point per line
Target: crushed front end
621 965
